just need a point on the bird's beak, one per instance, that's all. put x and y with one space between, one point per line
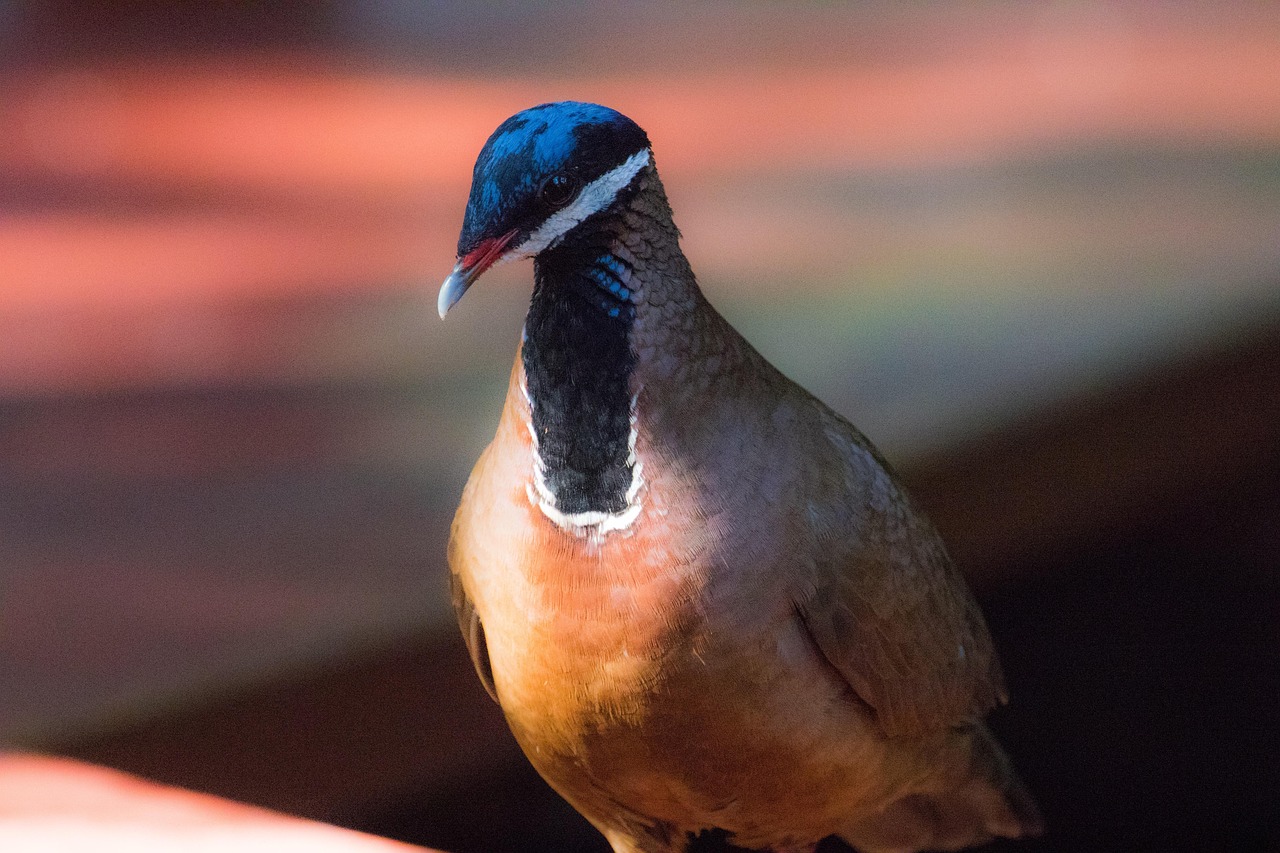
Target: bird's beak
469 268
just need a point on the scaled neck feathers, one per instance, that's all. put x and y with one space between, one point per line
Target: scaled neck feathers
598 295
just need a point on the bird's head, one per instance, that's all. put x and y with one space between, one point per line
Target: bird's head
542 173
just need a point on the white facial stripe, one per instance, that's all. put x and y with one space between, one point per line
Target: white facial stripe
595 197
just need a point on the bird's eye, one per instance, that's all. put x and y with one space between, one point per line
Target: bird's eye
558 190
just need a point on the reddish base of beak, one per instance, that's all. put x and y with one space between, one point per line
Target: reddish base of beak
469 268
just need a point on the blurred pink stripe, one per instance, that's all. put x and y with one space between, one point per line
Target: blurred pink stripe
51 805
386 137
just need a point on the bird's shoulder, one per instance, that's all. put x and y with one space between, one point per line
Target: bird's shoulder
868 574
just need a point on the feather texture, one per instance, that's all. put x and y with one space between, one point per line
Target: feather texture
775 648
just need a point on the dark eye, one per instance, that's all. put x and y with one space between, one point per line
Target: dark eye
558 190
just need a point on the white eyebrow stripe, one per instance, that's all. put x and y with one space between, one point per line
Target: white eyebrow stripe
595 197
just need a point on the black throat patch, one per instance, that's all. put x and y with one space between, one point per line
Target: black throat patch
578 363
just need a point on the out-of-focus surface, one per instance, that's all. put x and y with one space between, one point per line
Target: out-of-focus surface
50 805
232 430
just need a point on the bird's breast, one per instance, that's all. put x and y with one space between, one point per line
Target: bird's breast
581 626
660 665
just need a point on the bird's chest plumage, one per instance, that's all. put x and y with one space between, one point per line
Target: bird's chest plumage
644 665
580 625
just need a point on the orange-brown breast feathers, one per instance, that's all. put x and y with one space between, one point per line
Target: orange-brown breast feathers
573 622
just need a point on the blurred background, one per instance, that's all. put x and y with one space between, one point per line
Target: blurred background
1032 250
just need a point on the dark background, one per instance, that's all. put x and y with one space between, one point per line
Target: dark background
1034 252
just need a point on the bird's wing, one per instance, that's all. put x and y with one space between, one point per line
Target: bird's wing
884 603
473 634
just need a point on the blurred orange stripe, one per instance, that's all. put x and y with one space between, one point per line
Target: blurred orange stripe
385 136
83 260
51 804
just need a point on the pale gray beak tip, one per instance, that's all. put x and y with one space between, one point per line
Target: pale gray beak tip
452 289
469 268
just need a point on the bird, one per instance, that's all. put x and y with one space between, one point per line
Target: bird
703 600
